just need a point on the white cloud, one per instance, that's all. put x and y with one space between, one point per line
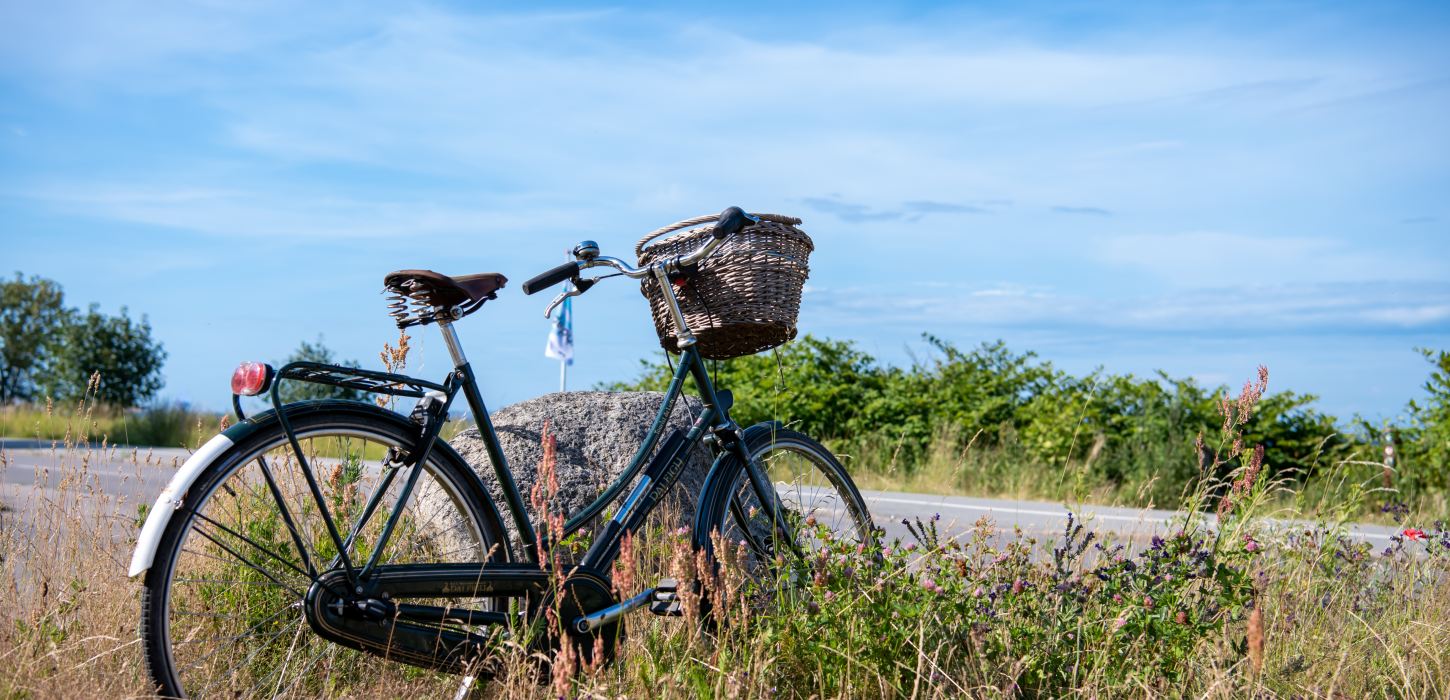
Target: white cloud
1224 311
1210 258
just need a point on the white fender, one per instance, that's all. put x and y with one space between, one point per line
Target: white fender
170 500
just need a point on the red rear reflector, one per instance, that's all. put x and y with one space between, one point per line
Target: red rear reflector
251 378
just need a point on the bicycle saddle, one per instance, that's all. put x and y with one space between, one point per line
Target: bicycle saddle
427 290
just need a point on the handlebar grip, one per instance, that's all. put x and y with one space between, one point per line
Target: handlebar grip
731 220
548 279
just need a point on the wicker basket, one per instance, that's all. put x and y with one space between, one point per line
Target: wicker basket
744 298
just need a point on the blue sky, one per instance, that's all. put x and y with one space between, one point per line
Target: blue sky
1193 187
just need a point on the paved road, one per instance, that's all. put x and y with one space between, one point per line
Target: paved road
1046 520
113 482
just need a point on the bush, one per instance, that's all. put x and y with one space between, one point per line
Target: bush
1120 432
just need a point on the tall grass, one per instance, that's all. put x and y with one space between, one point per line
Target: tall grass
1234 609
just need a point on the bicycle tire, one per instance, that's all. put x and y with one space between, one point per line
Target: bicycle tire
270 580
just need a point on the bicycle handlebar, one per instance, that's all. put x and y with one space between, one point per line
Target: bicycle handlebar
548 279
731 221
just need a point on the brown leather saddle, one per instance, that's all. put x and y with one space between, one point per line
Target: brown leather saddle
426 291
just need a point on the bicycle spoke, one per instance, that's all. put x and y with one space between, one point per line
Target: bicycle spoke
259 547
246 561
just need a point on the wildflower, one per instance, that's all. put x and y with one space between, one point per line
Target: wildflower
1148 602
1122 620
1117 598
1250 544
886 551
979 592
911 547
930 585
812 607
1181 618
1413 533
810 521
1018 585
830 596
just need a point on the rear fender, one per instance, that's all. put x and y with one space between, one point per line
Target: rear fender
174 495
170 501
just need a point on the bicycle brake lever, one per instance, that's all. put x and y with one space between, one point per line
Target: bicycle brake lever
575 289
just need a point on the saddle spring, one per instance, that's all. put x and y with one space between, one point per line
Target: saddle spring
407 304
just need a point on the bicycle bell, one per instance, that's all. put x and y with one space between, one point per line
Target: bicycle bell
586 251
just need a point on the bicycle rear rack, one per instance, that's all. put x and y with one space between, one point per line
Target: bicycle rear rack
367 380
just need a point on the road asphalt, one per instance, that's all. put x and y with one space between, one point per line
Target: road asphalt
114 481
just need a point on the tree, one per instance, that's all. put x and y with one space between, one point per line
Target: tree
1426 441
120 350
32 319
292 390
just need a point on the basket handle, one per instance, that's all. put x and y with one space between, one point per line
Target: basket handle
639 247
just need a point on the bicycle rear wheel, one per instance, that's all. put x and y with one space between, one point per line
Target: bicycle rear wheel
814 499
222 607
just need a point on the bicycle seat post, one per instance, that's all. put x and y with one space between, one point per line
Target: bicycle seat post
450 338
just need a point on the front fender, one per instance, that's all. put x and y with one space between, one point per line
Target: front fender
171 499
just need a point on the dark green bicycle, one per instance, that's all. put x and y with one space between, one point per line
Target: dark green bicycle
315 543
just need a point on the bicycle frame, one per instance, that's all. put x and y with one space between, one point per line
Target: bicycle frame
659 475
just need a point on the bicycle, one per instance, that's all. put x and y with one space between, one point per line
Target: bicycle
253 586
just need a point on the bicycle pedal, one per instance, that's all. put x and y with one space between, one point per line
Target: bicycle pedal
666 608
667 585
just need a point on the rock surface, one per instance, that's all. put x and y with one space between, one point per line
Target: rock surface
596 433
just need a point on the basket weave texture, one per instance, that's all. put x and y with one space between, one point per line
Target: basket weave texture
744 298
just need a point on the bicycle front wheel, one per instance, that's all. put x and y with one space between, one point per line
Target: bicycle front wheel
222 607
810 502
